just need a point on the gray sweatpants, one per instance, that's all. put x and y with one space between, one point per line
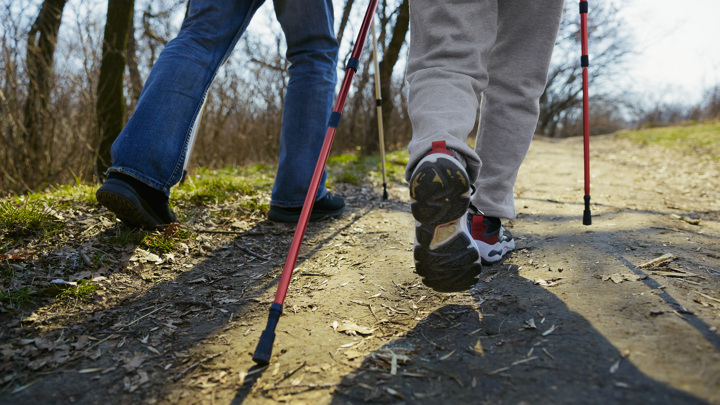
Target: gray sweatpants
461 49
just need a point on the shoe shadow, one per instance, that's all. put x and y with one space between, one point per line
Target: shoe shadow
507 342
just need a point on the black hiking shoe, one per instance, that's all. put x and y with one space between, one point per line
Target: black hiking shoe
491 238
135 203
445 254
324 208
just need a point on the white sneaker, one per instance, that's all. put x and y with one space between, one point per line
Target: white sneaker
491 238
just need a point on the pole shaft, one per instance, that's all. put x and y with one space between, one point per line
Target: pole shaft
586 130
586 97
378 98
299 235
585 62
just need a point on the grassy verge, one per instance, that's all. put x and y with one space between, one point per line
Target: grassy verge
695 138
58 233
356 169
249 186
21 217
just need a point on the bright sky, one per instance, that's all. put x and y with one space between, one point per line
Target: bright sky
678 45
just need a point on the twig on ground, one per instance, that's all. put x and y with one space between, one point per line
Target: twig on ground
197 363
445 373
111 332
707 296
251 253
399 311
307 387
369 307
437 346
243 233
288 375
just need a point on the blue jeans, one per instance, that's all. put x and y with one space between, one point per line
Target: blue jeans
154 145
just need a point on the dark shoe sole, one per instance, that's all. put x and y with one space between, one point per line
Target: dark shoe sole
123 201
278 214
445 253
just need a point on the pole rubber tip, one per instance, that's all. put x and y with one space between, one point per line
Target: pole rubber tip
385 193
263 351
587 218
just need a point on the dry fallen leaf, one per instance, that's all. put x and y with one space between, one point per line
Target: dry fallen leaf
90 370
478 349
658 261
353 354
143 256
549 331
61 281
548 283
618 278
351 328
447 356
134 362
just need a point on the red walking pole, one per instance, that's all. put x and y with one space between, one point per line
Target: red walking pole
263 351
585 62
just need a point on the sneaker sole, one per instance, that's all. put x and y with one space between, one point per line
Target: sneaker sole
123 201
445 253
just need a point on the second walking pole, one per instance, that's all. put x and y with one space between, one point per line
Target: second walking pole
585 62
263 351
378 104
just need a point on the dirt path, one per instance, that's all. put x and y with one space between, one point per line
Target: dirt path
571 316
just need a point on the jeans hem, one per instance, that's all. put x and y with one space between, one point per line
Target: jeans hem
140 177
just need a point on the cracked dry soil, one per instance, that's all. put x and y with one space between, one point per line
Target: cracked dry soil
623 311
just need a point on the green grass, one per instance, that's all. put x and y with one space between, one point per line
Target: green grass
702 138
83 291
356 169
218 186
17 298
80 192
158 242
126 236
21 217
62 196
166 241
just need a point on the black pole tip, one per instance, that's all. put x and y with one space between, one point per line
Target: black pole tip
263 351
385 193
587 218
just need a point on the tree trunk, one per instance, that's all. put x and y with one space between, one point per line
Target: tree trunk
110 98
136 81
40 49
344 19
389 60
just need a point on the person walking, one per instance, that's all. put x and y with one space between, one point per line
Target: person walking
149 155
460 52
